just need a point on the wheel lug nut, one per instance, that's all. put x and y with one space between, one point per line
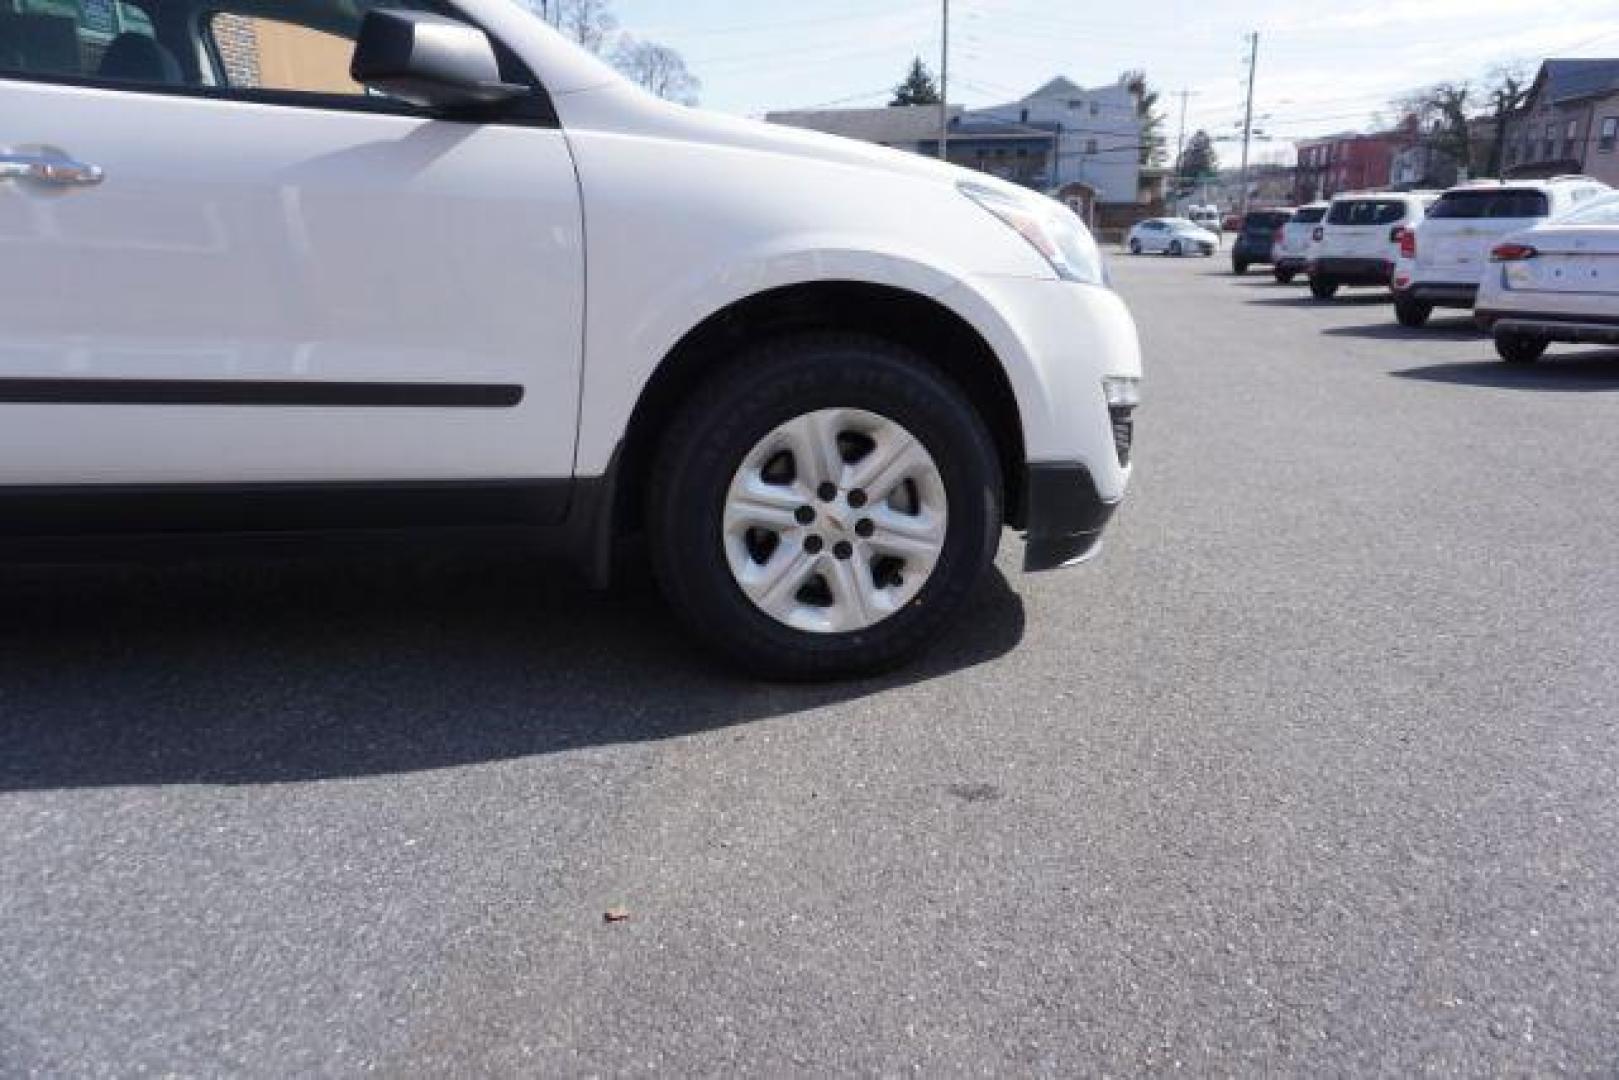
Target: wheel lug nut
857 499
805 515
814 544
843 549
827 492
864 528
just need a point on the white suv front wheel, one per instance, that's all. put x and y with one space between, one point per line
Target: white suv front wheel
823 507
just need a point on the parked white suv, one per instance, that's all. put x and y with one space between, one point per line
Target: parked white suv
1443 258
1295 243
1359 241
279 265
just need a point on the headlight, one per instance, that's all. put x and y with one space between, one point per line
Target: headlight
1052 230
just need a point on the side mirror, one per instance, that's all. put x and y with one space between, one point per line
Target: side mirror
428 60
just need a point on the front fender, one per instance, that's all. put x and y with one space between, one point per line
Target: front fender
624 352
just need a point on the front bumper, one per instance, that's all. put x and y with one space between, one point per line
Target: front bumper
1354 271
1064 516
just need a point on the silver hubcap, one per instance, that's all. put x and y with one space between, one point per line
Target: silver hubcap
835 521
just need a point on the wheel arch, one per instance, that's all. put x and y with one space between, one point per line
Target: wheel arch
937 334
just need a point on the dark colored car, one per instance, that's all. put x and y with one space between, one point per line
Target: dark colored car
1257 238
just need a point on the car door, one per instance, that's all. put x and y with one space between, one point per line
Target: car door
222 262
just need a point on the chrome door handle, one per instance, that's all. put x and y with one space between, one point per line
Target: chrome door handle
40 169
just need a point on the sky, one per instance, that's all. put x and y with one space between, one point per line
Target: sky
1323 67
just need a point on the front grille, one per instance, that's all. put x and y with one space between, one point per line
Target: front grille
1124 431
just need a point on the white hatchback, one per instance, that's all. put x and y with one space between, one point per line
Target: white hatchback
1359 241
1443 258
1171 236
1556 282
294 266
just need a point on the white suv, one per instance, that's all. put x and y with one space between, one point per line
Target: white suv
1359 241
1295 243
274 266
1443 259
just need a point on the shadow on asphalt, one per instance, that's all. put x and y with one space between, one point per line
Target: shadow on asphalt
1367 299
1590 372
1461 329
282 671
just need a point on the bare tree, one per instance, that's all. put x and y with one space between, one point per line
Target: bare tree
1436 119
1506 90
658 68
589 22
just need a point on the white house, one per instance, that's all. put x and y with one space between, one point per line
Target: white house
1099 135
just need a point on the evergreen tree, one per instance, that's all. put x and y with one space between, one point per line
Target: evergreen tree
1198 161
1152 121
919 87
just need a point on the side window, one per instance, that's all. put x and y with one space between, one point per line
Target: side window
269 54
81 38
220 48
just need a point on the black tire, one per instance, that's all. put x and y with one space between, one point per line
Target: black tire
740 405
1175 248
1412 314
1284 277
1239 267
1520 348
1323 288
1135 247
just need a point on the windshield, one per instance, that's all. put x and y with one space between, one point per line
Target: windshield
1265 221
1487 203
1367 212
1605 211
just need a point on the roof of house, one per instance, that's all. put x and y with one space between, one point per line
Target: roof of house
1570 80
1061 86
896 125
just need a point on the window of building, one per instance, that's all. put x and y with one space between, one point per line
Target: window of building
1610 134
1090 146
269 54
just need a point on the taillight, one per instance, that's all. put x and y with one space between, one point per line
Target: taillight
1408 243
1512 253
1276 237
1319 235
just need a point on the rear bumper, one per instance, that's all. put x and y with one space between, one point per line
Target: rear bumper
1254 256
1574 329
1442 293
1064 516
1292 264
1354 271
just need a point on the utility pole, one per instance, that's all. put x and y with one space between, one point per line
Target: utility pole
1248 117
944 87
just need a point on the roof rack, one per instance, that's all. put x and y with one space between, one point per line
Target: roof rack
1574 176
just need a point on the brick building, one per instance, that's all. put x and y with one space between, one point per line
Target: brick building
1347 162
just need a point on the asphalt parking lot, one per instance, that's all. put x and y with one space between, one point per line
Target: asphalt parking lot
1316 772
